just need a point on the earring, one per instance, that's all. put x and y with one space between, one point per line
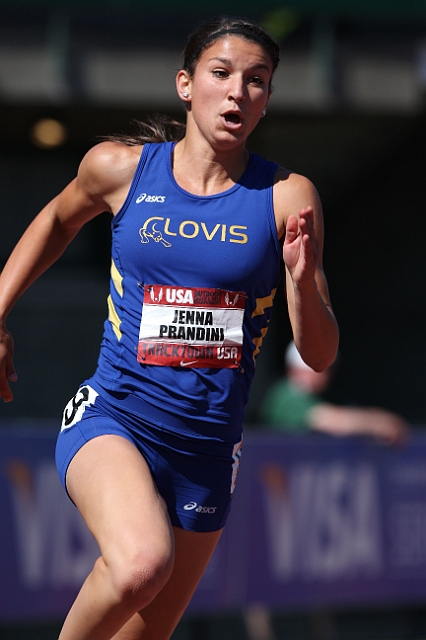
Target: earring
185 94
264 112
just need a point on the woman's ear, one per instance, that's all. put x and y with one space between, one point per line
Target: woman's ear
183 85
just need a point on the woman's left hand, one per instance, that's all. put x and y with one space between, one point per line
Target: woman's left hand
301 250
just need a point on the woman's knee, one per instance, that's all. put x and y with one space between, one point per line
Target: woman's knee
137 575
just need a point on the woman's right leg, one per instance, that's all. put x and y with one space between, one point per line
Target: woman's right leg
111 484
158 620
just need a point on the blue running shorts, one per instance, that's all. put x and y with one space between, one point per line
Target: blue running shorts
194 473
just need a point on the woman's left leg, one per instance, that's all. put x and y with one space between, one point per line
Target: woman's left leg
158 620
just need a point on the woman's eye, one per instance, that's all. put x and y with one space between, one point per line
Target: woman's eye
220 73
257 80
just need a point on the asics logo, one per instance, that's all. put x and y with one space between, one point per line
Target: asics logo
190 506
144 197
199 509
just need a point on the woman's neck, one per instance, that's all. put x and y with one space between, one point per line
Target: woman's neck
204 171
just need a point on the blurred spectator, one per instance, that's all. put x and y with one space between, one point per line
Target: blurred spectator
294 404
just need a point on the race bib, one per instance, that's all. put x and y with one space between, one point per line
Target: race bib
191 327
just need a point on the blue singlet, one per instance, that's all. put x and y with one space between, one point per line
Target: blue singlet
192 284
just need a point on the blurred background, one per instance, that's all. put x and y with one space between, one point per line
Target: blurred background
348 111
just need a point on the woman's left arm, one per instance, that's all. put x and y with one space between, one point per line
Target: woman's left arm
299 219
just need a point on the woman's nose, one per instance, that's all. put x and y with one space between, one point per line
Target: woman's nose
237 90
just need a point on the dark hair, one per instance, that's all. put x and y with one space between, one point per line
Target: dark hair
215 28
156 128
161 128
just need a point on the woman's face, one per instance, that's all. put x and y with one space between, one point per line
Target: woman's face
229 90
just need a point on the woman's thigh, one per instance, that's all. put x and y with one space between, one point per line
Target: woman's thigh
112 486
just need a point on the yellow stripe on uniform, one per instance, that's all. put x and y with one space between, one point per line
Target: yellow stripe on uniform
113 318
117 279
263 303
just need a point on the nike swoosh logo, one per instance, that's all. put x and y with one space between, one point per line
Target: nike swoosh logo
186 364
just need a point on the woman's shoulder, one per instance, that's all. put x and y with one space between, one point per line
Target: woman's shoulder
109 166
111 156
286 179
293 192
292 187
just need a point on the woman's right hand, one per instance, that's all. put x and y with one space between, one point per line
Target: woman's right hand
7 370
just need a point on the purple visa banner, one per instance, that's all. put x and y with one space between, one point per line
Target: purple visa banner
315 521
47 550
322 521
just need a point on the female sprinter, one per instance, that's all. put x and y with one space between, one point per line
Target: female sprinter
150 445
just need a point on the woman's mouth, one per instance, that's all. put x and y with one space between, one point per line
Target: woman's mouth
233 119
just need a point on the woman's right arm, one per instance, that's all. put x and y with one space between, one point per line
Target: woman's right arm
102 182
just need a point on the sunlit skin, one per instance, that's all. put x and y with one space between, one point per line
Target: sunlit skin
225 99
229 91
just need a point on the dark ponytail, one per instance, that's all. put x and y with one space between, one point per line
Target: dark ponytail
156 128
